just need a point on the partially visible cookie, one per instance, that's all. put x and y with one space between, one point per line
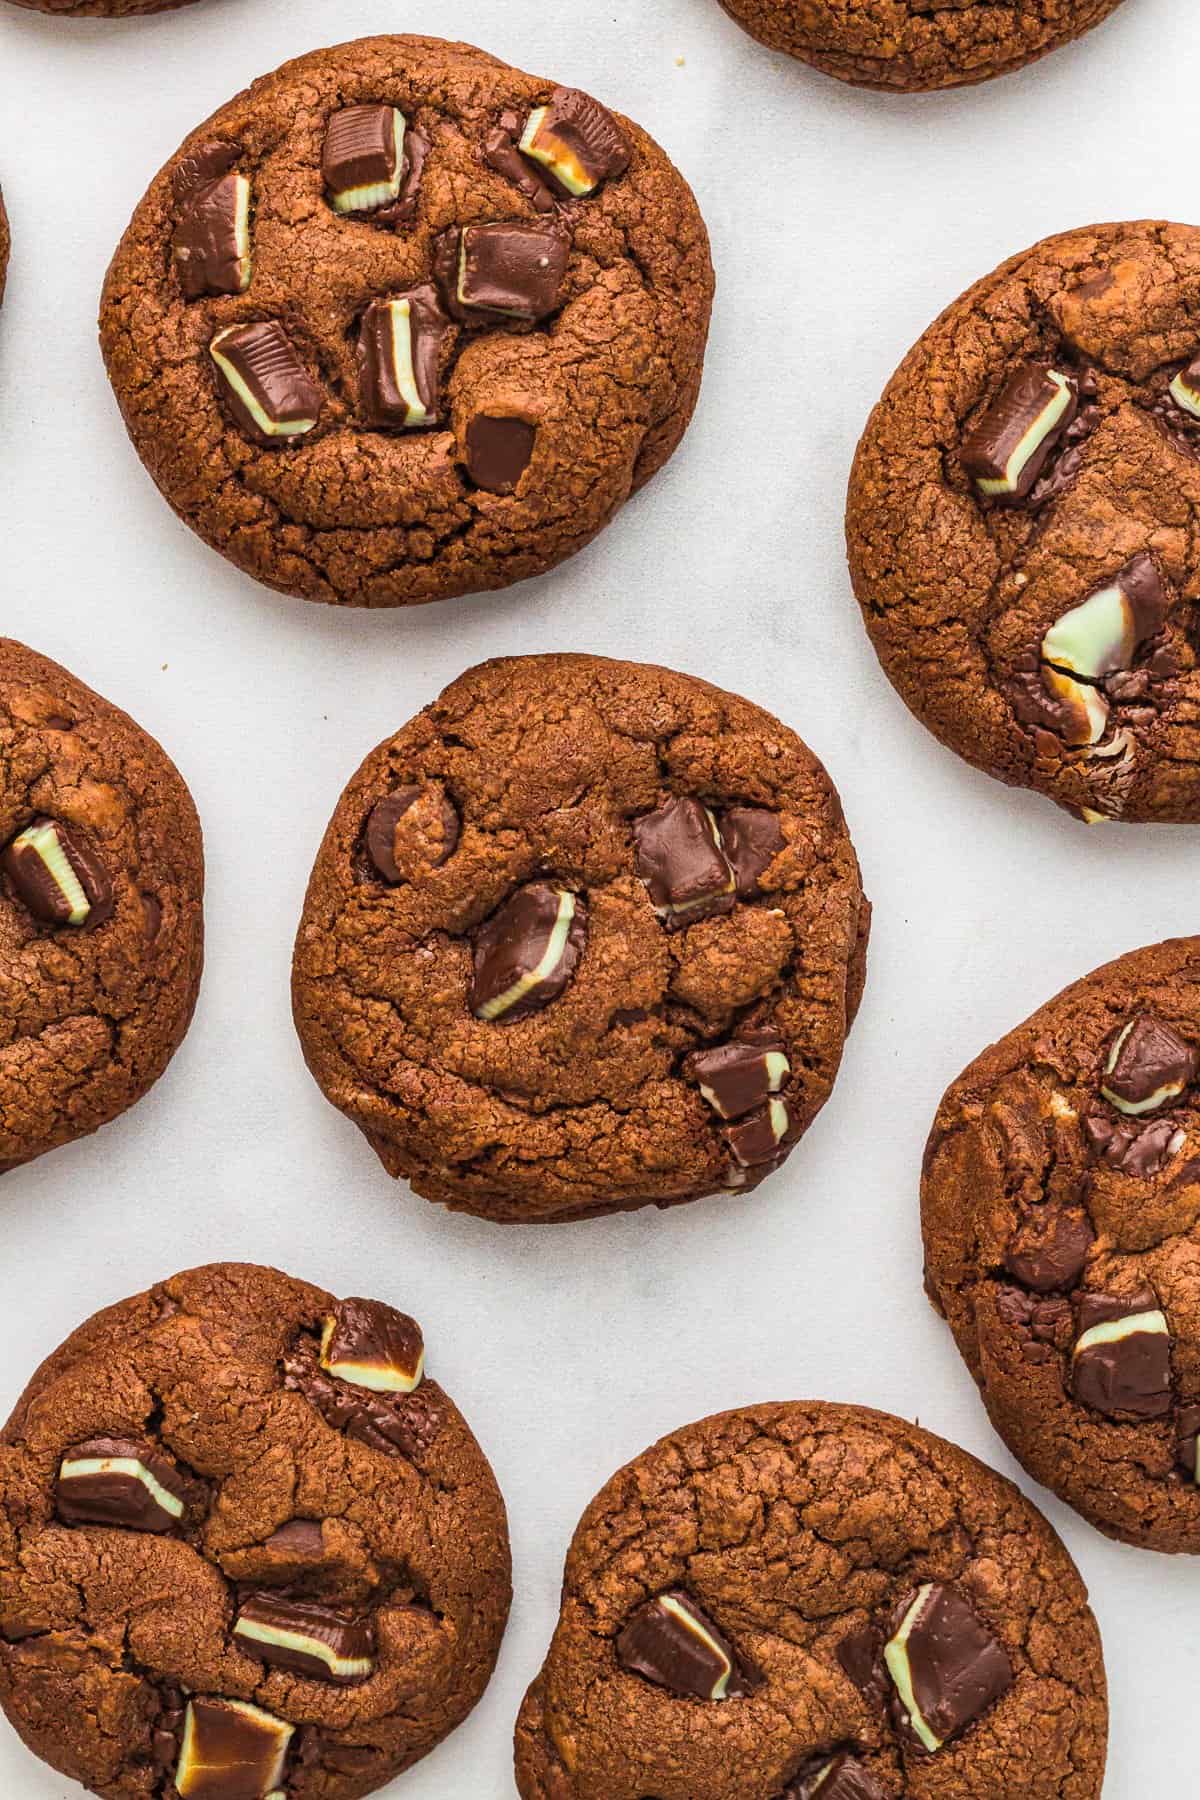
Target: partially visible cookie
1061 1214
101 924
247 1546
112 9
908 45
5 243
797 1601
1019 523
584 935
400 322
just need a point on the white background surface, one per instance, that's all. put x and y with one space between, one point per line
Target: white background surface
841 222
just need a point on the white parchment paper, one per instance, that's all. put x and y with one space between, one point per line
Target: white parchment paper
841 223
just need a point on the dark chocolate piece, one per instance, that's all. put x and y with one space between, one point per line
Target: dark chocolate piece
527 952
1049 1252
1121 1363
680 859
202 165
231 1751
1008 448
671 1641
760 1136
752 838
362 160
1132 1149
739 1076
499 450
1187 1441
373 1346
211 246
1148 1065
118 1481
270 392
306 1636
57 876
577 141
298 1537
400 345
860 1654
840 1777
946 1665
502 271
414 829
501 153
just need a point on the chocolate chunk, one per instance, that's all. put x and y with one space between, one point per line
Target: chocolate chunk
860 1654
117 1481
1185 389
840 1777
373 1346
412 830
1007 449
1047 700
1050 1250
57 876
299 1537
1138 1150
502 271
680 859
752 838
1121 1363
211 246
269 390
306 1636
231 1751
577 141
1187 1441
499 451
672 1642
1148 1064
200 166
362 161
400 346
527 952
736 1077
393 1424
501 153
1103 634
757 1138
946 1665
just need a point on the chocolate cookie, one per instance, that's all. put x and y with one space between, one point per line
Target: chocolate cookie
246 1547
113 9
1061 1210
584 935
908 45
806 1600
101 927
1019 524
5 243
400 322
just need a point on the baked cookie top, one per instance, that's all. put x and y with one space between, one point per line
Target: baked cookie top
583 935
1061 1212
804 1600
101 924
242 1530
401 322
1020 522
908 44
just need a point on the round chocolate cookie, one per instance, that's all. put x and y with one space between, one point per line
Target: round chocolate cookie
107 9
401 322
909 45
583 936
805 1600
101 924
1061 1212
1019 523
246 1547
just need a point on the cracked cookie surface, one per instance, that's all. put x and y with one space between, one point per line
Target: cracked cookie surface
995 615
1049 1206
541 786
91 1011
594 392
797 1531
909 45
112 1635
